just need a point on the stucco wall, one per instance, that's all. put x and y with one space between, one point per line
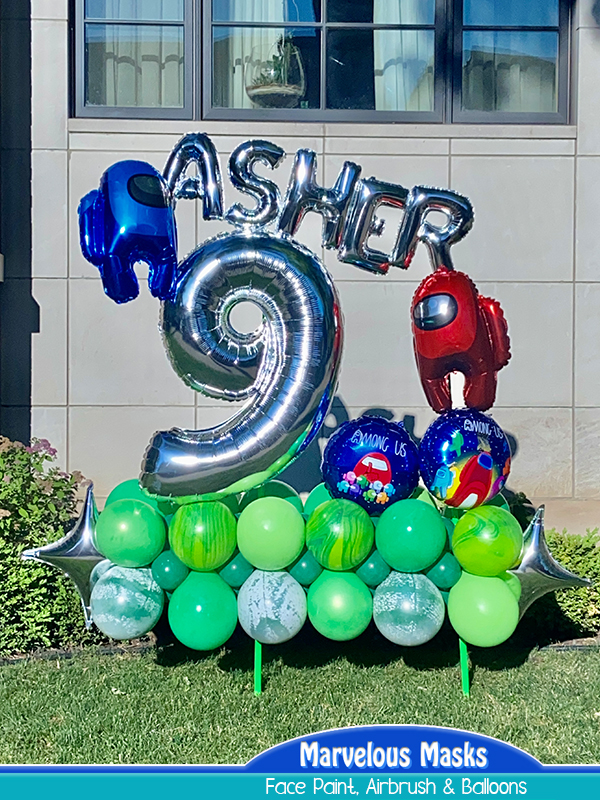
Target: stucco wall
101 380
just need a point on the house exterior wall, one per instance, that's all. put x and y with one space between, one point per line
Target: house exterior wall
101 383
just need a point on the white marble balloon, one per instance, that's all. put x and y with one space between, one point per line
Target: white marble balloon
408 608
271 606
126 603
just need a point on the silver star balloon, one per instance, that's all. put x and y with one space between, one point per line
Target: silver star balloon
539 572
75 553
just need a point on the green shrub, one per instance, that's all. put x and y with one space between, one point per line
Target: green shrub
39 606
572 613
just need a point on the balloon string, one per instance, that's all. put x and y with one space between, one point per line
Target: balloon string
457 389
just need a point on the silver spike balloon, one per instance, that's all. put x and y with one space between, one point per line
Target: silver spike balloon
539 572
75 553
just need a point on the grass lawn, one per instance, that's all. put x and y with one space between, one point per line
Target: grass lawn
172 706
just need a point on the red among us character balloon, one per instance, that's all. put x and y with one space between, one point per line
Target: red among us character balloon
457 329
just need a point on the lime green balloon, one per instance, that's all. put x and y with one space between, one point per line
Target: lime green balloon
339 534
487 541
445 572
270 533
411 535
513 583
202 535
339 605
272 489
168 571
483 611
319 494
203 611
130 533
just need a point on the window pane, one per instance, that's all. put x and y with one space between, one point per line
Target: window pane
134 65
395 12
511 12
169 10
506 71
386 70
266 11
266 67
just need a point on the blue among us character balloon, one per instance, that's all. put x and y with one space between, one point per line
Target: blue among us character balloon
371 461
464 458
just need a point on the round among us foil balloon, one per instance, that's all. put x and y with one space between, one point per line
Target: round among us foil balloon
371 461
464 458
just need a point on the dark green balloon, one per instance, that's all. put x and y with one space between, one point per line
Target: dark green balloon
202 535
306 569
483 611
319 494
272 489
130 533
445 572
236 571
339 605
487 541
374 570
411 535
203 611
339 534
168 571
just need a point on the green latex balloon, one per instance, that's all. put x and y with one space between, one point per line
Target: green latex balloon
498 500
445 572
425 496
202 535
513 583
339 605
99 570
374 570
487 541
168 571
319 494
339 534
305 569
236 571
411 535
203 611
483 611
270 533
130 533
272 489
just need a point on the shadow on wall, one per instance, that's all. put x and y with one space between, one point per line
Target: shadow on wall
305 473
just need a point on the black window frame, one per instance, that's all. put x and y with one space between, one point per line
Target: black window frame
198 25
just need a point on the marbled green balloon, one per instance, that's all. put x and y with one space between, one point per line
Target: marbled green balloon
339 534
272 489
271 607
168 571
306 569
408 609
487 541
203 611
236 571
202 535
445 572
340 606
130 533
126 603
374 570
319 495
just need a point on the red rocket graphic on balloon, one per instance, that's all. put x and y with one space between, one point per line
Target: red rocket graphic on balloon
457 329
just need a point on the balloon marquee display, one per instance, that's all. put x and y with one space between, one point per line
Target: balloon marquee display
206 531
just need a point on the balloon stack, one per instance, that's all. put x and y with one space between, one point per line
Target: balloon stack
206 521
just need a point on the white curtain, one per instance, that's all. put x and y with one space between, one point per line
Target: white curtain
403 60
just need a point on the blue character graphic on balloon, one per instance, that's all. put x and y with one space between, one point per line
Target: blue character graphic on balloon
442 482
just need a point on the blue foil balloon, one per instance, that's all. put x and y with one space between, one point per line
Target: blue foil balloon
464 458
371 461
130 218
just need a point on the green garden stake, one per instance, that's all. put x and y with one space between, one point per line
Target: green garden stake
257 668
464 668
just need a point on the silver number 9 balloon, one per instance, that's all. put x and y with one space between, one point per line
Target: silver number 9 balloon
286 370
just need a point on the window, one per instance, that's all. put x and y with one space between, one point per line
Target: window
353 60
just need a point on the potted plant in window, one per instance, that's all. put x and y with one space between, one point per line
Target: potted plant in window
278 81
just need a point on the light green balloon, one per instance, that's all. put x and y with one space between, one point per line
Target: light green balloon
411 535
320 494
203 611
270 533
487 541
339 605
272 489
483 611
130 533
